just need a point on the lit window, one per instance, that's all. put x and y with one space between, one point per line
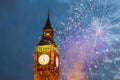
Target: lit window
47 34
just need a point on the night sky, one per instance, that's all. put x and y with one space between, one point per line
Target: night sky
21 22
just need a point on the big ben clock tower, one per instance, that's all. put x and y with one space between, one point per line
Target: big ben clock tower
46 57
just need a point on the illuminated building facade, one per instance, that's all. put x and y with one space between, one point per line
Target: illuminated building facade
46 57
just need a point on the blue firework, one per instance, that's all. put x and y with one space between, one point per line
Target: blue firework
90 41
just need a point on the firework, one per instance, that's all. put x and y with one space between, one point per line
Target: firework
90 40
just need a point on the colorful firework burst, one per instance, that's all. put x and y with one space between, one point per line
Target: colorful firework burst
90 40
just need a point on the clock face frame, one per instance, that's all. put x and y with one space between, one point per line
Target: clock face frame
43 59
57 62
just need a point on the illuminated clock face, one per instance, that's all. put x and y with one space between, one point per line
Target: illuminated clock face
57 62
43 59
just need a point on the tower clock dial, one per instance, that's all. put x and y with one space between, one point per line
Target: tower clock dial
43 59
57 62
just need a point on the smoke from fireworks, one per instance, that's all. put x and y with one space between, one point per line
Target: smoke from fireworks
89 41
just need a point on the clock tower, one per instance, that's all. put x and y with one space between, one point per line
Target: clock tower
46 57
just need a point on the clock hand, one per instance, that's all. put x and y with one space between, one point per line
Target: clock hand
43 59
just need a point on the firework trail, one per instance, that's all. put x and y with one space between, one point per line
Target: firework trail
90 48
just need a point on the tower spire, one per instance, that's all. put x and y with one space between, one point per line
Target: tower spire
48 13
47 33
48 24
